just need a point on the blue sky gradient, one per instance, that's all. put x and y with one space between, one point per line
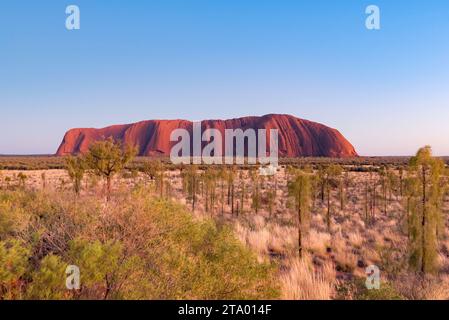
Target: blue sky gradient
387 91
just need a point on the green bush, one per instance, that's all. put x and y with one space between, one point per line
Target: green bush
13 266
46 280
133 247
357 290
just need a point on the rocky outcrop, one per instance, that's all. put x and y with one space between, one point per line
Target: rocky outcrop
297 137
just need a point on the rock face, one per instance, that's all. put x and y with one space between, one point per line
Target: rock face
297 137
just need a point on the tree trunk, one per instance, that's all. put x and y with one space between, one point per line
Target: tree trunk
366 203
193 193
108 188
222 197
342 200
242 198
299 226
423 221
373 211
229 193
322 191
408 218
329 209
162 184
232 198
207 198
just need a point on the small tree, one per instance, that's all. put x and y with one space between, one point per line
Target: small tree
343 184
255 196
44 180
22 179
191 180
384 186
151 169
315 184
426 197
8 182
212 189
393 183
374 183
208 178
76 167
108 158
401 181
299 190
322 181
330 179
410 185
231 175
154 169
222 178
388 182
242 193
367 203
271 200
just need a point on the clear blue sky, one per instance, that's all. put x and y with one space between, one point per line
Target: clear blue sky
387 91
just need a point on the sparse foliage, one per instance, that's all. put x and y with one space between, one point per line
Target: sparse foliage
299 191
425 198
76 167
108 158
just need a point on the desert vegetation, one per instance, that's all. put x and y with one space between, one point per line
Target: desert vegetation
145 229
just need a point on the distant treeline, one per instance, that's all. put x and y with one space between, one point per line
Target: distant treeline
47 162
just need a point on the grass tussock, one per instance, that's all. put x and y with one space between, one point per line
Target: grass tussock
303 282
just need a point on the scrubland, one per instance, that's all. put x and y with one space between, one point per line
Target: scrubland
218 233
134 246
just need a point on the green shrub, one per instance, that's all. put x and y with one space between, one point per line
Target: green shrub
48 280
13 266
132 247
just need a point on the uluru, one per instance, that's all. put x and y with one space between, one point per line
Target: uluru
297 137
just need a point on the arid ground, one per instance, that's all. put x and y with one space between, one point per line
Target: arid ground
358 222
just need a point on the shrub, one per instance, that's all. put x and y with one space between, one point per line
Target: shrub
13 266
48 280
76 166
107 158
132 247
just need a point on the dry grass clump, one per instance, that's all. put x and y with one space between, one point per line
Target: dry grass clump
259 241
415 287
265 241
303 282
318 242
355 239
